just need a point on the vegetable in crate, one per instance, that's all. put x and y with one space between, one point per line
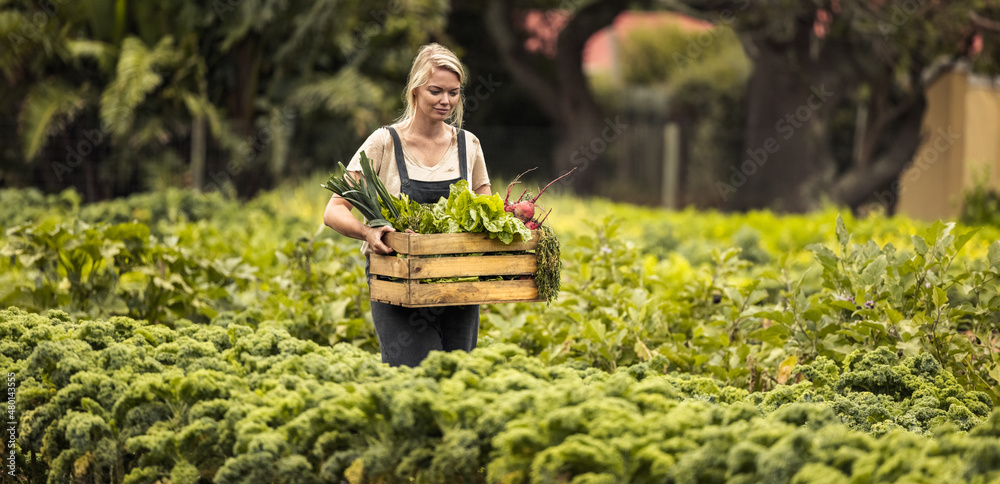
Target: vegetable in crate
462 211
549 265
465 211
525 209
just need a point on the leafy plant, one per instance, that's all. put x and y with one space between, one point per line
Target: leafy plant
240 399
981 205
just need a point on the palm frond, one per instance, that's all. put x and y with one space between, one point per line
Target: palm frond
248 17
136 76
317 20
47 109
16 47
340 93
103 52
346 93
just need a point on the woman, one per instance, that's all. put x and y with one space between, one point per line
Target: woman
421 155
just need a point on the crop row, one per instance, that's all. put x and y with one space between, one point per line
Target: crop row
768 291
241 400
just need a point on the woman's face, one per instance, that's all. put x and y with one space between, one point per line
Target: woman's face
439 96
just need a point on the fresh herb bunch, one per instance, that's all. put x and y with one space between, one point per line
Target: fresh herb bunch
368 194
549 264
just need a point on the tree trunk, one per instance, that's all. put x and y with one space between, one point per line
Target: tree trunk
198 151
199 142
786 155
242 110
862 182
583 133
580 146
243 98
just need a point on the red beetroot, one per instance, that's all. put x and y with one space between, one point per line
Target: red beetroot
525 209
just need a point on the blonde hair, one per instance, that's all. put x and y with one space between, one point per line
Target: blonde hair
428 57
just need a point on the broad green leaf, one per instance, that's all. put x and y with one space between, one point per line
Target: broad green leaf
875 271
919 245
994 372
814 314
776 335
780 316
733 295
771 275
940 297
994 255
825 256
594 330
894 316
963 239
843 237
846 305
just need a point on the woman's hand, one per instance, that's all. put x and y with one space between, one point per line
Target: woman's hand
374 238
338 217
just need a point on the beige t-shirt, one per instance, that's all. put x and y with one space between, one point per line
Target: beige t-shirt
380 150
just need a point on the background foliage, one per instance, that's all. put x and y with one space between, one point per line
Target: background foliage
113 98
224 91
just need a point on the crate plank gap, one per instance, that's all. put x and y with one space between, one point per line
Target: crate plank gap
428 256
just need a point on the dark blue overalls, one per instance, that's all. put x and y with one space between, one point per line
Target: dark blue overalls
406 335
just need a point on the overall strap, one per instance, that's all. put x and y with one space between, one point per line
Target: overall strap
463 165
404 177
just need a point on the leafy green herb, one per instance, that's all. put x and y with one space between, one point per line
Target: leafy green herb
462 211
549 264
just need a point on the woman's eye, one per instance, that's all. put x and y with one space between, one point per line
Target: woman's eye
435 92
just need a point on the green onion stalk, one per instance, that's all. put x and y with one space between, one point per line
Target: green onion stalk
367 193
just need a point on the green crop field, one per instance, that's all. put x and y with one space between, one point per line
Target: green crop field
184 338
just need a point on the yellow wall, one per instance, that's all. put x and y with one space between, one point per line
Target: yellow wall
983 124
961 132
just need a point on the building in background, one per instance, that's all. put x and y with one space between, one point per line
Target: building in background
961 147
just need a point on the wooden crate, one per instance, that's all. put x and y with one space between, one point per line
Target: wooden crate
427 256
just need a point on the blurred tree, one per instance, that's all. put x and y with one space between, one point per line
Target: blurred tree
833 73
558 86
704 74
113 96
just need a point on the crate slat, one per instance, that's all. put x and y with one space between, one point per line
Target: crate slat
411 294
389 265
416 265
437 244
427 267
397 293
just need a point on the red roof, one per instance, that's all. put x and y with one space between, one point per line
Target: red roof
599 52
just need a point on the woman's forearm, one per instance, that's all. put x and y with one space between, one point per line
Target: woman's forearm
338 217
